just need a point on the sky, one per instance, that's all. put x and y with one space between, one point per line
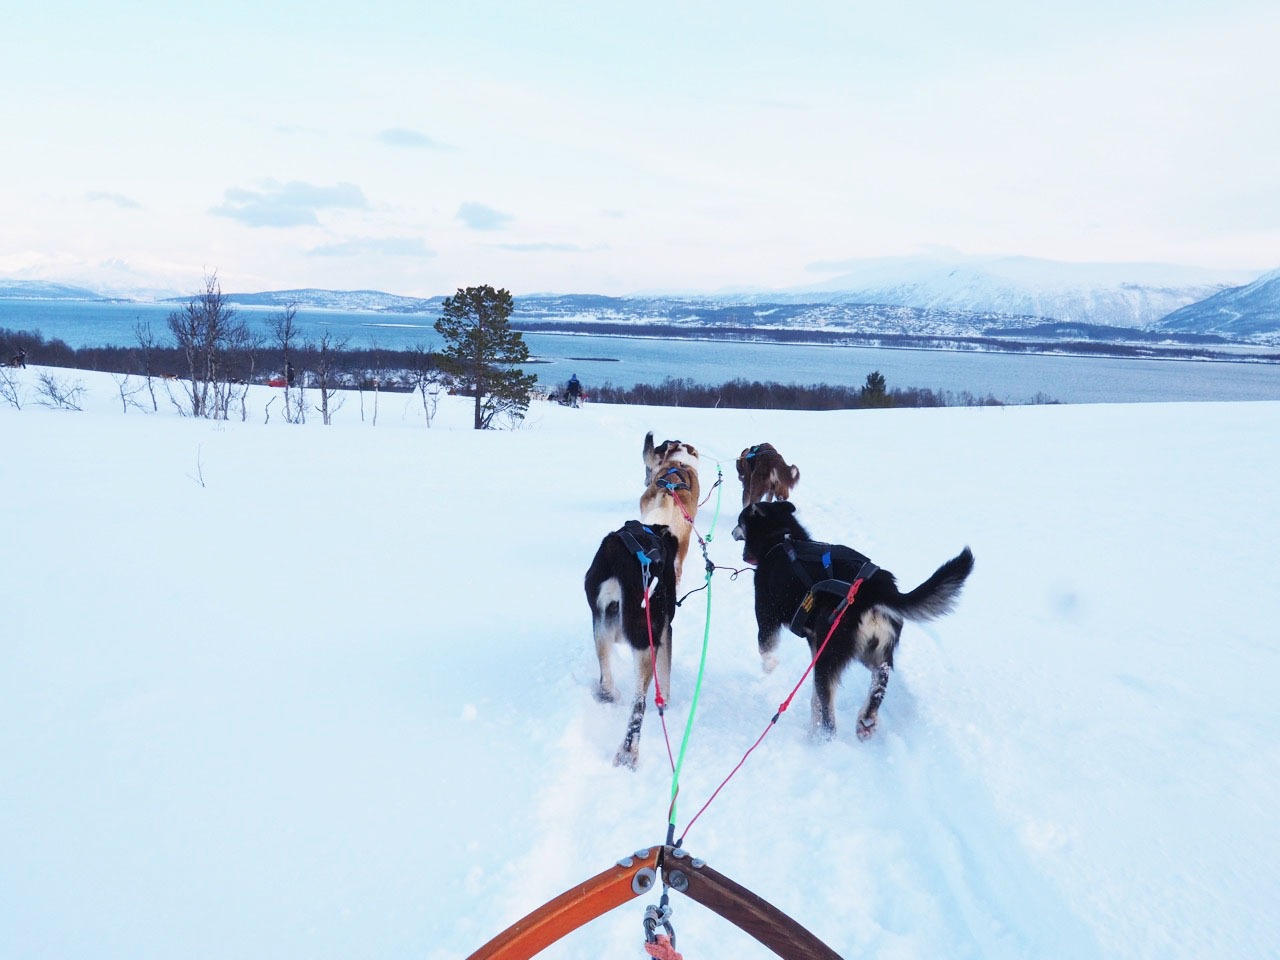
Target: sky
586 148
275 691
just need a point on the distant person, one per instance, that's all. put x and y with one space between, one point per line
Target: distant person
19 359
288 372
574 390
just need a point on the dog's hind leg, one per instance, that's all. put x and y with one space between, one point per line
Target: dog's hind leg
824 690
871 709
629 752
606 625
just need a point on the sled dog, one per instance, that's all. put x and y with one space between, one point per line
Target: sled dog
630 600
671 492
804 585
765 475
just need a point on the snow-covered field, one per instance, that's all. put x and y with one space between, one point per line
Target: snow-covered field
270 691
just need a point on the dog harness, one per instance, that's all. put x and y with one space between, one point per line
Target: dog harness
679 483
641 540
812 564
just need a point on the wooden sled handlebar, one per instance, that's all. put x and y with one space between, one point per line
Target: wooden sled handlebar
634 876
742 908
627 879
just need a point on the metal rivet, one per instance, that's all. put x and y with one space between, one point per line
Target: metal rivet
643 854
698 864
644 880
678 881
625 862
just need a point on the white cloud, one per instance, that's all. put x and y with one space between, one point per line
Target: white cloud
477 216
292 204
377 246
413 139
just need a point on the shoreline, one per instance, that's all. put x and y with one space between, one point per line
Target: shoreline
1041 349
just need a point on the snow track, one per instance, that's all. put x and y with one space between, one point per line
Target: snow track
336 701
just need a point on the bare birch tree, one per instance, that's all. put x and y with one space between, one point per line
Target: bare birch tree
209 333
147 343
324 354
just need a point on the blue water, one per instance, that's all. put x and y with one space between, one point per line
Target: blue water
624 361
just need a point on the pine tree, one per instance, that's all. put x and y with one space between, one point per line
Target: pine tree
481 350
874 393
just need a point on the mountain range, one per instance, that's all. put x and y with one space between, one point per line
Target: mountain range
916 296
1248 311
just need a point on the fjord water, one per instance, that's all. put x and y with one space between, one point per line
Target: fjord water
625 361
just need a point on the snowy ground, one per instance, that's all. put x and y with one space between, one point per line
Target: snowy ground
277 692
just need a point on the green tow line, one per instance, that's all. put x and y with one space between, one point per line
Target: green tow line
702 668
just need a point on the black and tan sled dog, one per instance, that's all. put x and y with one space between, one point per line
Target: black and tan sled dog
631 589
803 585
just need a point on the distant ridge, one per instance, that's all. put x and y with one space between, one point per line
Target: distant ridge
1238 312
942 295
320 299
43 290
1112 294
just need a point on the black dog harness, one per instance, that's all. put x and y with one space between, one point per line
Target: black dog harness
643 542
647 548
812 563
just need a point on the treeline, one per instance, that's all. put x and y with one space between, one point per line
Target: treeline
768 395
403 371
393 370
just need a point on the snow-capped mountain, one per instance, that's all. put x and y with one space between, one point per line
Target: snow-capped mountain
318 299
946 295
1238 312
1121 295
43 290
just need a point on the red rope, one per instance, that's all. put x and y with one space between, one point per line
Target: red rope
658 700
663 949
782 707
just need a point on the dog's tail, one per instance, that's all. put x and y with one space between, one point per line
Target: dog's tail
648 445
937 596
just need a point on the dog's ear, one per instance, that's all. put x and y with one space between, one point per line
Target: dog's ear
786 506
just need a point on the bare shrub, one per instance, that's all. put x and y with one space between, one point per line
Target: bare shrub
128 390
11 391
58 394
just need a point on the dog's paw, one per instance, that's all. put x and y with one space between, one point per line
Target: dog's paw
605 696
866 727
626 758
769 661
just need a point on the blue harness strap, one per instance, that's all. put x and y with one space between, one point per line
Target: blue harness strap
673 487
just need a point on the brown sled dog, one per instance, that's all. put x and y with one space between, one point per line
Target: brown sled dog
671 490
765 475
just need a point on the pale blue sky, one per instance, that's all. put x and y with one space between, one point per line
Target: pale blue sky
587 147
